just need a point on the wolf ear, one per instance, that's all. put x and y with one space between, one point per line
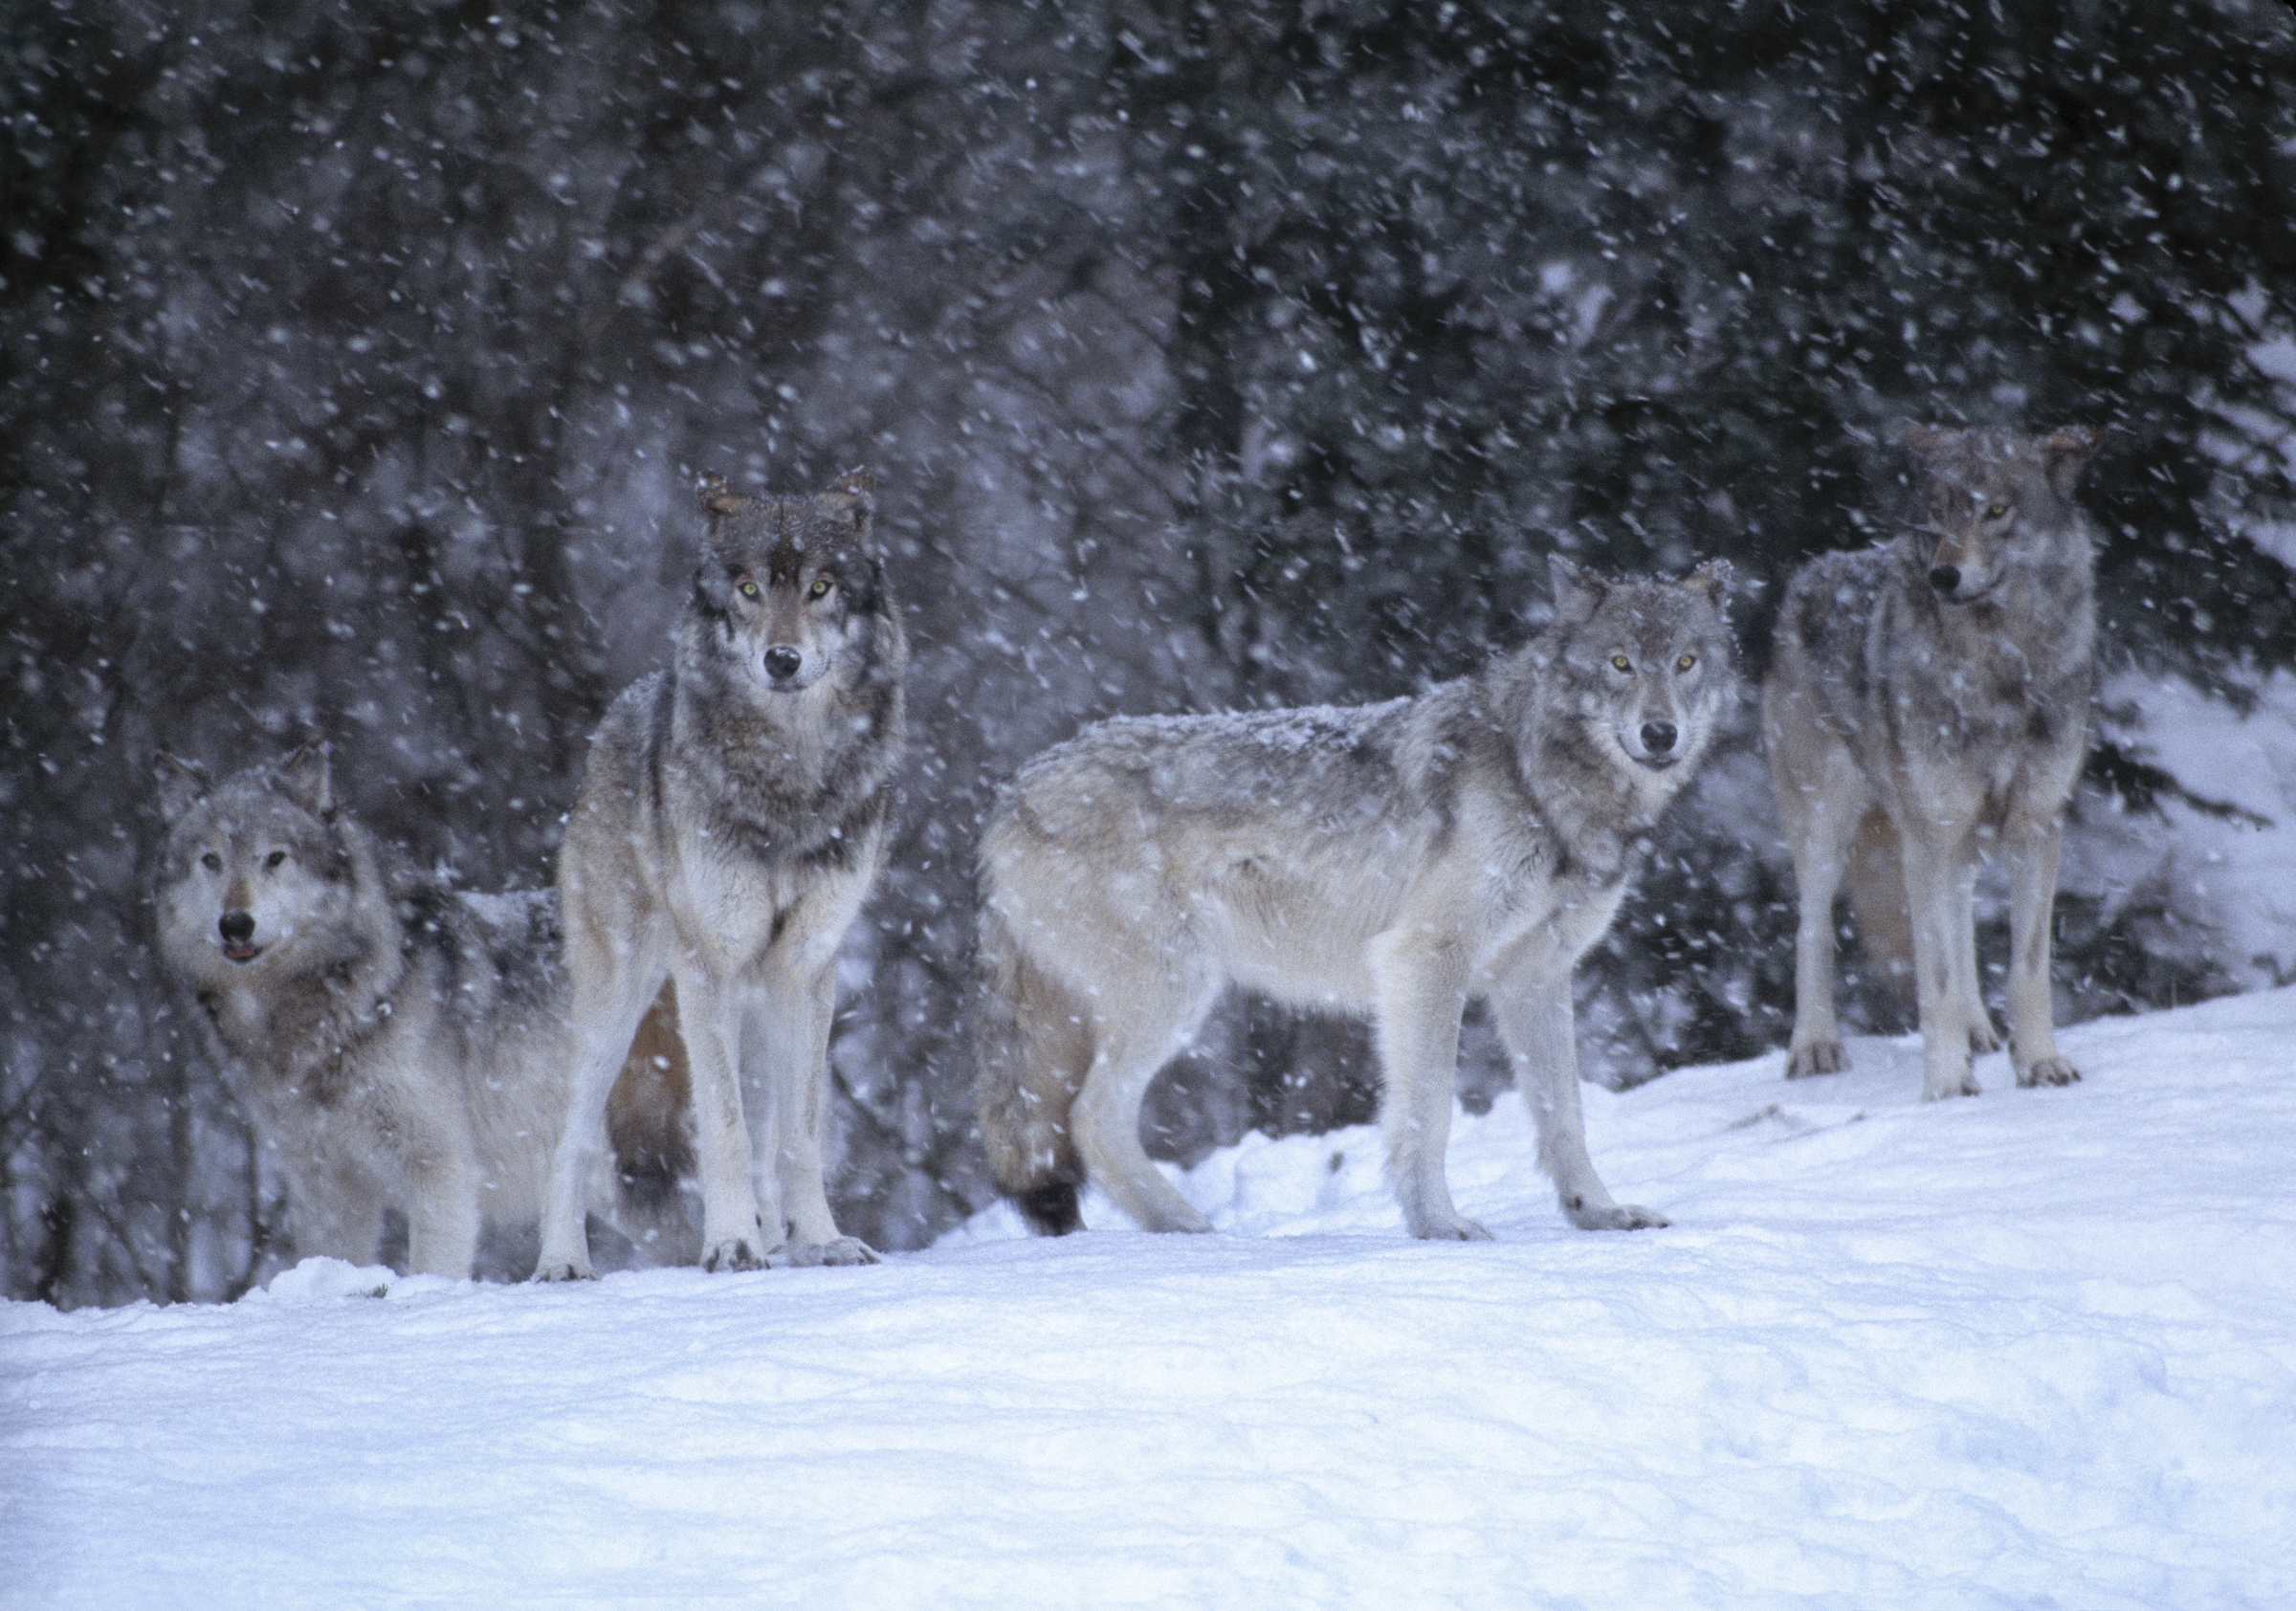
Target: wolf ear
716 497
1577 591
183 785
1925 440
856 492
307 780
1711 579
2063 453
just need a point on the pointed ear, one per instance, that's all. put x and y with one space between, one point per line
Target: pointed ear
1711 579
1925 440
1577 591
2063 453
183 785
856 491
716 497
307 779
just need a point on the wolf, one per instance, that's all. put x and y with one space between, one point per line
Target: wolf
1396 859
1926 699
397 1044
730 822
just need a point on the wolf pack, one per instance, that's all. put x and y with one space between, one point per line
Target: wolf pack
653 1032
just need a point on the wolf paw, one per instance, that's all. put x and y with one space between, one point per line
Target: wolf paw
564 1270
734 1254
1939 1090
2048 1071
1818 1057
1616 1216
845 1250
1456 1229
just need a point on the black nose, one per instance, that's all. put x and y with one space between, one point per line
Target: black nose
1945 577
1658 737
237 928
781 664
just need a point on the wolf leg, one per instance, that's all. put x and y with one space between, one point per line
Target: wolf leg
1822 819
786 1080
1967 990
1133 1043
2032 855
613 986
1531 1002
1934 877
442 1221
1419 990
734 1233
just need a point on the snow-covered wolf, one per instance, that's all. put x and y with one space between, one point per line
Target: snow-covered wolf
1395 859
1926 697
729 825
398 1045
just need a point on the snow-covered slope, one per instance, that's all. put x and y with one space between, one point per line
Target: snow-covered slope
2036 1349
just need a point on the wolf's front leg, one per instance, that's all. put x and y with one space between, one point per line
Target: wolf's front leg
1533 1006
734 1234
2032 855
1420 991
785 1075
610 995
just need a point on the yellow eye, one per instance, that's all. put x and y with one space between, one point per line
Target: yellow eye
1685 662
1994 511
747 587
819 588
1620 663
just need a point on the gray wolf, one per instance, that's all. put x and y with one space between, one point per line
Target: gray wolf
729 825
1396 859
397 1044
1926 699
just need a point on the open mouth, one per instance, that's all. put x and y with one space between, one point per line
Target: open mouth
1657 763
241 951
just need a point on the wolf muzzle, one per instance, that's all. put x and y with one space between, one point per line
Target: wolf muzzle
238 932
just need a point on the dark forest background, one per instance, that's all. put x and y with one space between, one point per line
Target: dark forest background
355 361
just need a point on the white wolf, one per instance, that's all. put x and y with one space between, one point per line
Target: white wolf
1396 859
729 825
397 1044
1926 697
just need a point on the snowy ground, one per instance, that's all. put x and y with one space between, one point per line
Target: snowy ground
2033 1350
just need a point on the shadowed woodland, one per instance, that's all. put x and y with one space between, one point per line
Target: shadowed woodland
356 363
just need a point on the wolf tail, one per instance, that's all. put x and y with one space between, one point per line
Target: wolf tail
1875 880
649 1124
1030 1052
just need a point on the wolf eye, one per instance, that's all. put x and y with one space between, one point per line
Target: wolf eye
747 587
1685 662
819 588
1994 511
212 862
1620 663
275 858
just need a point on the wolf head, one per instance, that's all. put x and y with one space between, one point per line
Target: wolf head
256 876
1994 503
792 589
1647 664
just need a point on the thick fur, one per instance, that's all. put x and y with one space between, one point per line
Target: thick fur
398 1045
1928 698
729 825
1393 859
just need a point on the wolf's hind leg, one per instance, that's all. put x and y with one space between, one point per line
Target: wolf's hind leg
785 1077
1967 991
1532 1005
1935 878
614 987
1132 1042
1822 820
2032 855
